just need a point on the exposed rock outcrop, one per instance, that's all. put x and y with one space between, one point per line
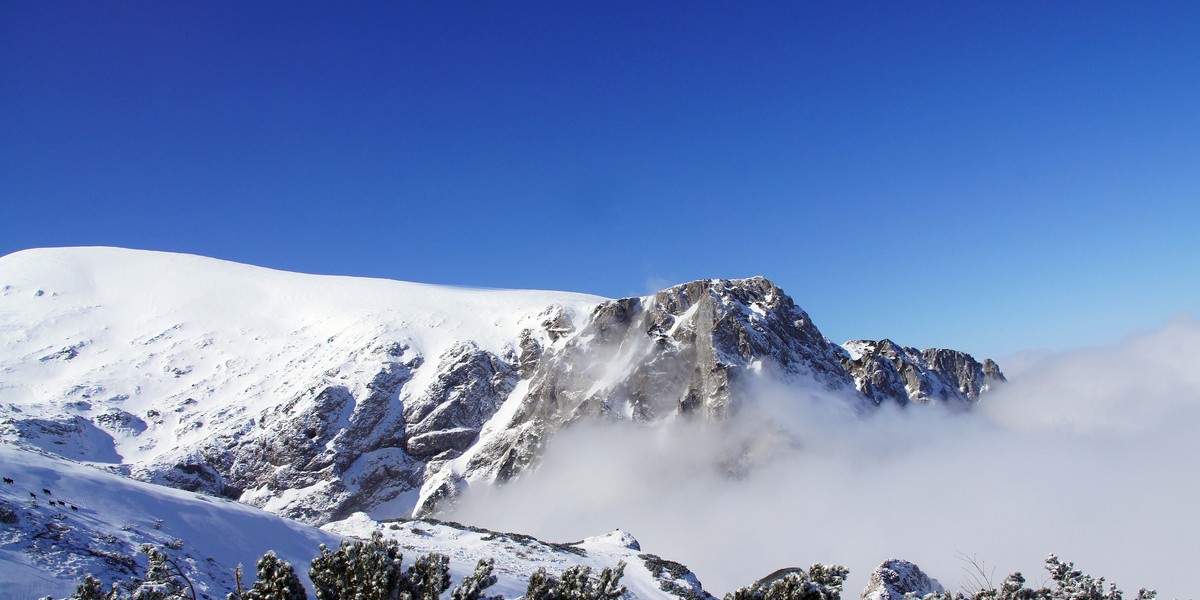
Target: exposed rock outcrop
895 578
683 351
886 371
444 418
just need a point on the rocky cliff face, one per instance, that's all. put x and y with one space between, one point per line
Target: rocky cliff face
690 351
885 371
408 393
683 351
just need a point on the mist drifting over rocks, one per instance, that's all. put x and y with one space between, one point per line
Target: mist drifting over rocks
1087 454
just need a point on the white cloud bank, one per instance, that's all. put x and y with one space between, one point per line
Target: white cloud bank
1092 455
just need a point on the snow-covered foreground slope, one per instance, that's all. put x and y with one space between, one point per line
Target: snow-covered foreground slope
46 548
106 518
518 556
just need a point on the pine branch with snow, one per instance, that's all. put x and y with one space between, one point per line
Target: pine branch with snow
472 586
366 570
165 579
277 580
819 582
577 583
428 577
93 589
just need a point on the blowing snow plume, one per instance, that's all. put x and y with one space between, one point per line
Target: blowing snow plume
1086 454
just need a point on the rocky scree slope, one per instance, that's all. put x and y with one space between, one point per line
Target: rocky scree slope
316 397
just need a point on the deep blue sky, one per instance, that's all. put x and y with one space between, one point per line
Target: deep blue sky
993 176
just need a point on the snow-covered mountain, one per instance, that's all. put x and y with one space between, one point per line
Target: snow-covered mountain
317 397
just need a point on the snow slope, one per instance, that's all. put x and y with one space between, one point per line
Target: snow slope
518 556
47 548
107 518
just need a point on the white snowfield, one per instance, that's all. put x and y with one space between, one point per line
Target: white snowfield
203 344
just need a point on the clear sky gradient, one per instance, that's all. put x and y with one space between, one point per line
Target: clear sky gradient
992 176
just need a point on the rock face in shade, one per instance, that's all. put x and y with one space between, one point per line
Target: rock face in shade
315 397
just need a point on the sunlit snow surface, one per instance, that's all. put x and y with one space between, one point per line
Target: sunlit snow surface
90 331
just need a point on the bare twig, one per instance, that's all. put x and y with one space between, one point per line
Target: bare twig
977 574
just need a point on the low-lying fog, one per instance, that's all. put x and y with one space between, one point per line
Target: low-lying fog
1091 455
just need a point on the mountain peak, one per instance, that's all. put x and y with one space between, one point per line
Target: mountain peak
317 396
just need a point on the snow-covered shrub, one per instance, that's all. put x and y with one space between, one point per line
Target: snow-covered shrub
371 570
472 586
93 589
428 577
819 582
165 580
577 583
277 580
1072 584
1069 584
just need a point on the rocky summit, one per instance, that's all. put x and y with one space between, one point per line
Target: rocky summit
317 397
